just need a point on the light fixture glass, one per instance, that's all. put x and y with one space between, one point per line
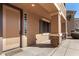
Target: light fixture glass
33 5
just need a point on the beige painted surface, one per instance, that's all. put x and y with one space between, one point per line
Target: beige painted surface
42 37
63 28
76 23
37 12
11 28
34 15
37 9
62 8
63 25
10 43
54 24
24 41
33 28
50 7
70 26
43 8
11 22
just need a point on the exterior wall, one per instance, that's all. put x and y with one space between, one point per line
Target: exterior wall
33 35
55 36
63 28
12 22
63 25
73 24
54 24
70 26
62 9
33 28
1 28
11 28
76 23
24 40
43 12
70 21
38 10
61 6
11 39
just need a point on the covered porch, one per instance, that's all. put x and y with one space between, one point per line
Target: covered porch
31 14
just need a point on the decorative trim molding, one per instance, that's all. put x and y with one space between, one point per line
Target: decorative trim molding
45 20
59 10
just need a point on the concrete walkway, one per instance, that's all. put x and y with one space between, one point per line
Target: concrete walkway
68 47
41 49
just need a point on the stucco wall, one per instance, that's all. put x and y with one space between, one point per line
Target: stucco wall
12 22
33 28
73 24
76 23
54 24
33 34
70 26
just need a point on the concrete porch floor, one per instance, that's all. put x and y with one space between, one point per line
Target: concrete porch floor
68 47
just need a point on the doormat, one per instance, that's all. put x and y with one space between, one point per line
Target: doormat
13 52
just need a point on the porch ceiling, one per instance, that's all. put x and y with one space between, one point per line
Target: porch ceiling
42 9
50 7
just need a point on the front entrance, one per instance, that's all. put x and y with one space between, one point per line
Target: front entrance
11 28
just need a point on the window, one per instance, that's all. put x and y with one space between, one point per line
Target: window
44 27
25 24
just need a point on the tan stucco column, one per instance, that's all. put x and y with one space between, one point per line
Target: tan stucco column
59 27
55 35
32 29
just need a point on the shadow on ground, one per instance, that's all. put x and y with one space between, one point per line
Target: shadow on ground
70 38
43 45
